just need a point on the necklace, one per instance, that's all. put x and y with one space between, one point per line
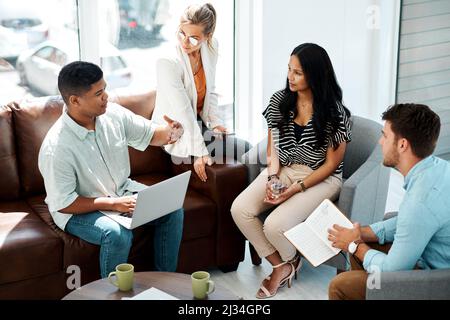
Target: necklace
196 67
303 105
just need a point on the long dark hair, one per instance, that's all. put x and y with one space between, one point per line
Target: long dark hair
327 94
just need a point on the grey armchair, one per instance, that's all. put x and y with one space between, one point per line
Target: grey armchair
411 284
366 180
443 144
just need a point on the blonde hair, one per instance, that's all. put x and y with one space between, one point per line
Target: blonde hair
204 15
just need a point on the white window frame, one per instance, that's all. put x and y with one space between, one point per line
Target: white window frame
89 30
248 71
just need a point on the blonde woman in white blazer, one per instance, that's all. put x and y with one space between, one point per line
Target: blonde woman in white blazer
186 88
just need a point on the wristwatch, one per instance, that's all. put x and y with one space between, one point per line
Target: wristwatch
302 185
352 247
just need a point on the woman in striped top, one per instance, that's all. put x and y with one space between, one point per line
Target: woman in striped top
308 131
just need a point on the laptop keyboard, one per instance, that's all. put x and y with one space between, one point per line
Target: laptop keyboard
125 214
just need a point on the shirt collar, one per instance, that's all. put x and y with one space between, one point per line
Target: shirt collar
80 131
418 168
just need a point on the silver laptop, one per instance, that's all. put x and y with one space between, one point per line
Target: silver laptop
154 202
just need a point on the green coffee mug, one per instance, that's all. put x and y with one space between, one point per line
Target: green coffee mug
201 284
124 274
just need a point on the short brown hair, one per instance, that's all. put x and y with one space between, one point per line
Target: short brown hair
417 123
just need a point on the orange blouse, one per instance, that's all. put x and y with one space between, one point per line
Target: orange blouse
200 85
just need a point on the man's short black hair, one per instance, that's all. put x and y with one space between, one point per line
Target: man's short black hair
417 123
77 77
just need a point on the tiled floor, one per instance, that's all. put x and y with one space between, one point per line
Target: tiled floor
312 283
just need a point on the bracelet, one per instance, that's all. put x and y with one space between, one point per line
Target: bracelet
302 185
272 176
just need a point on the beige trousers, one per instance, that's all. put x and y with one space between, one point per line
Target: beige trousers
268 237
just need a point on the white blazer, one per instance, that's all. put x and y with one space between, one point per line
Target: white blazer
176 97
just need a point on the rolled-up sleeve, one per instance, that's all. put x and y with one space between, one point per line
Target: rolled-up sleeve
59 179
416 225
138 130
385 230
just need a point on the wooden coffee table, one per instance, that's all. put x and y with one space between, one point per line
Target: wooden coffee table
175 284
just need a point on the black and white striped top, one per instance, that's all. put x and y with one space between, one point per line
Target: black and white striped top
304 151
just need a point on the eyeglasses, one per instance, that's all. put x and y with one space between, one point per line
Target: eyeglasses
193 41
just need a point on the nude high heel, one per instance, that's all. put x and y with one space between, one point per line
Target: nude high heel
287 279
297 262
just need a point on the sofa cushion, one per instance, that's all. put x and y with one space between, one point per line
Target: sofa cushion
199 211
32 120
25 240
76 251
9 189
152 160
85 255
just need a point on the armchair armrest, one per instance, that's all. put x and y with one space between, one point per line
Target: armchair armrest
414 284
225 182
389 215
256 159
363 195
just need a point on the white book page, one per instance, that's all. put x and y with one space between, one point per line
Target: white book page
323 218
153 294
308 243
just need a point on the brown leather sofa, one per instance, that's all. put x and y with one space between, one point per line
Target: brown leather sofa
35 254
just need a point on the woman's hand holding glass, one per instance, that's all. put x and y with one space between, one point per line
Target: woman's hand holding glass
277 192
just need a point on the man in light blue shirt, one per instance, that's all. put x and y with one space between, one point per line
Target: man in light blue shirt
85 165
420 233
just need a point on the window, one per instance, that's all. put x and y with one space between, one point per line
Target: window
130 34
145 30
45 53
34 38
110 64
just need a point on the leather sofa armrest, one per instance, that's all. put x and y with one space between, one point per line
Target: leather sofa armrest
225 182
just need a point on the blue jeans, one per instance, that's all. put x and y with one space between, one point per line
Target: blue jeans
115 240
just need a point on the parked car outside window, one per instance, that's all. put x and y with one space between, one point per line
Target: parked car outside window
39 67
21 27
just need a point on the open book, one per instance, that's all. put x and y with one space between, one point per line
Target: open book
311 236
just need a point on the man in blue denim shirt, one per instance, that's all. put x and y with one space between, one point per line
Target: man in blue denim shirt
420 233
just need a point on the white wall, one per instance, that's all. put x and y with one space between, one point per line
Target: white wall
361 37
